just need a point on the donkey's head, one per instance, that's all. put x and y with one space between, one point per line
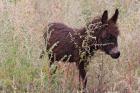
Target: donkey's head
109 35
106 32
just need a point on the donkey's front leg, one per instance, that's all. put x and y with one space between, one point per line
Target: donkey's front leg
82 74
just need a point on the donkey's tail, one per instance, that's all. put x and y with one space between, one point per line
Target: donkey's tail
46 35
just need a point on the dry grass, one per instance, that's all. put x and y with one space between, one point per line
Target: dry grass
21 30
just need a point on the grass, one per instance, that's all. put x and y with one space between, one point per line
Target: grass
22 23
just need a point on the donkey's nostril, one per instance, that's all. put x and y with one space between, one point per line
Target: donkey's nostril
115 55
118 54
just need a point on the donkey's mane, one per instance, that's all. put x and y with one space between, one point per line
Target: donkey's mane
82 30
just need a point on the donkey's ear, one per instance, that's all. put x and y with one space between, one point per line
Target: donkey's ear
104 17
115 16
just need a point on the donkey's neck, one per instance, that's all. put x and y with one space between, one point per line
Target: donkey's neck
85 38
90 33
82 31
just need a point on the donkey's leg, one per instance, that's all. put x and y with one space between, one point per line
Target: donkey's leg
82 74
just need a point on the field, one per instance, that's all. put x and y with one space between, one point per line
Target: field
21 43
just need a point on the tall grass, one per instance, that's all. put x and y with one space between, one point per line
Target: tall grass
21 29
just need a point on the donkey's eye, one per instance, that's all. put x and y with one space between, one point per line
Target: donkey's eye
109 37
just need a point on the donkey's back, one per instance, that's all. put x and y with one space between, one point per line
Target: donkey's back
61 42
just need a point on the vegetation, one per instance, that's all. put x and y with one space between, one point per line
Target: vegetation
21 29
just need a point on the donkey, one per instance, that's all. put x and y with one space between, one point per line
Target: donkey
77 45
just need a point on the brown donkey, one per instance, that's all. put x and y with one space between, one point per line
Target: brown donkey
77 45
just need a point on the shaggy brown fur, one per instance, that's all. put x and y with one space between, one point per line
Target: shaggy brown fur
76 45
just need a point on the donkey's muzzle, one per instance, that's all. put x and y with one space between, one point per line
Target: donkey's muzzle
115 55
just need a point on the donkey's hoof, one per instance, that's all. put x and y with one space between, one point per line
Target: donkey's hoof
83 91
